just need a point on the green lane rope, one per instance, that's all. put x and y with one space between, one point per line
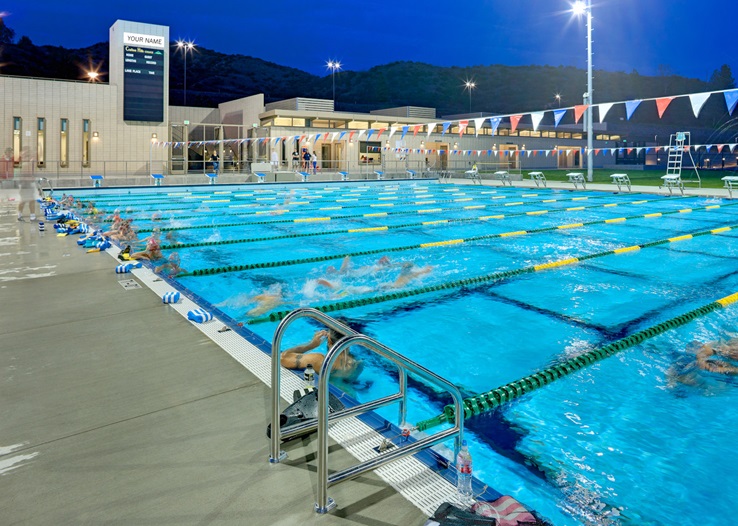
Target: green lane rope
317 259
383 228
494 398
496 276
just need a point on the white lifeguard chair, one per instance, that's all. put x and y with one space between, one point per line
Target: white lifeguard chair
679 142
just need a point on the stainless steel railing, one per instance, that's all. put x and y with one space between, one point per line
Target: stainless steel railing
404 365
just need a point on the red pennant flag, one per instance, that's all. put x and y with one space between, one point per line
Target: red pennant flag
579 111
351 135
514 120
462 127
381 131
629 150
415 129
662 104
597 151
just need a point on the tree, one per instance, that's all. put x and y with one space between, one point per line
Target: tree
722 78
6 34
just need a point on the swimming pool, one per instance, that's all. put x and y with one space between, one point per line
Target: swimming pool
614 435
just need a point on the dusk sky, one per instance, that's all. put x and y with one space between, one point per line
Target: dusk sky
691 38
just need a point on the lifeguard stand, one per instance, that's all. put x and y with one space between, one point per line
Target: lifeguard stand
679 142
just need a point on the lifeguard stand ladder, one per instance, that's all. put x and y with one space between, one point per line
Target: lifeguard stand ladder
679 142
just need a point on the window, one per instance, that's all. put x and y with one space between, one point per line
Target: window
64 143
40 142
282 121
577 136
17 140
86 135
358 125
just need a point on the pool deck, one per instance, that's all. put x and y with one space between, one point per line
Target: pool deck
117 410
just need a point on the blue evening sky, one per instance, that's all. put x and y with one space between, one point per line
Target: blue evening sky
690 38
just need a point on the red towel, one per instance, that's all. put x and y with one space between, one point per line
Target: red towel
507 511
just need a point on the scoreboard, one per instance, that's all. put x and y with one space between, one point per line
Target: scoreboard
143 78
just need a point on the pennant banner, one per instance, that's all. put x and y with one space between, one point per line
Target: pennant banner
514 120
662 104
630 107
698 100
731 97
462 126
494 122
445 127
478 123
558 114
537 117
604 108
579 110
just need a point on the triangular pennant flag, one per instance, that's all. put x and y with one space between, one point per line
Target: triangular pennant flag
340 137
404 131
393 129
478 123
604 108
333 136
431 127
548 152
514 120
579 109
698 100
415 129
381 131
494 122
351 135
597 151
731 97
662 104
462 127
557 116
536 117
361 132
369 134
630 107
638 151
445 127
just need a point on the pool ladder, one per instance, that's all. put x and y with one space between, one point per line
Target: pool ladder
404 365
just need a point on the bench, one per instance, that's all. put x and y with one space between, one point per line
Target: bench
473 174
503 176
672 181
380 175
621 180
729 181
260 177
577 178
538 178
410 173
97 180
304 176
158 178
212 178
344 176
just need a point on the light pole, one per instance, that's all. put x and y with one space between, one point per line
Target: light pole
186 47
151 153
585 8
558 98
469 85
334 66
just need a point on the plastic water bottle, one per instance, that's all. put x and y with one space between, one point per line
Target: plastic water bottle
41 226
464 471
309 377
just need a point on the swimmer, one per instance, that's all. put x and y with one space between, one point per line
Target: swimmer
409 273
346 367
266 301
171 267
346 267
152 250
713 357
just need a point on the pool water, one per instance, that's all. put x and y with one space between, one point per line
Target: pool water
618 442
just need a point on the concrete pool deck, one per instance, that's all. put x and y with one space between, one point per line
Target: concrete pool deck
116 410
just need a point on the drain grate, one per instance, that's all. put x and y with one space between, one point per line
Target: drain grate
129 284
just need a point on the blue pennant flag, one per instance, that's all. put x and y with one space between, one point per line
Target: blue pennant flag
404 131
445 127
731 98
558 114
494 122
630 107
369 134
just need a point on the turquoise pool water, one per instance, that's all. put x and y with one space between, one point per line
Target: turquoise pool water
620 435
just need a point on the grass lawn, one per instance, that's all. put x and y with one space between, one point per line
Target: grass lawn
710 178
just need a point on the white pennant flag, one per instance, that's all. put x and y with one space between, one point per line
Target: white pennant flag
698 100
604 108
638 151
548 152
537 117
334 135
431 127
393 129
361 132
478 125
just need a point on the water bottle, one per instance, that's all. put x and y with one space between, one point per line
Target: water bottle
464 471
309 377
41 226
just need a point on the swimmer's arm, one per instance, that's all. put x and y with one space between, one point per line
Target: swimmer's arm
318 337
722 368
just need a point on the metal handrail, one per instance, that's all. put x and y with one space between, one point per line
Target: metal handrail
404 365
275 453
